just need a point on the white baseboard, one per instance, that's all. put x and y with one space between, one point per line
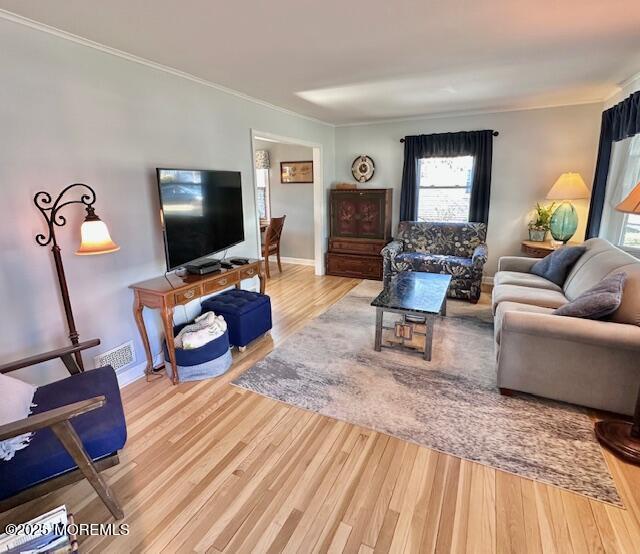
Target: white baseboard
135 372
487 280
298 261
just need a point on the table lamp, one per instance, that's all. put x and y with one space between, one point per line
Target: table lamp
94 239
623 437
564 221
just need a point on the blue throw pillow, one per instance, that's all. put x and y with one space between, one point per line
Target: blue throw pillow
597 302
555 267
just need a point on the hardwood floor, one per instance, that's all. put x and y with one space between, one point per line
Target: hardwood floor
212 468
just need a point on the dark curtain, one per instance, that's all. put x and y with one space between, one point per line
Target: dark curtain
618 123
478 144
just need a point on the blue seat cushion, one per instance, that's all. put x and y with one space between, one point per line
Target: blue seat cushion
103 431
248 314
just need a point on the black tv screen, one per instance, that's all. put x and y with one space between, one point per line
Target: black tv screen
201 213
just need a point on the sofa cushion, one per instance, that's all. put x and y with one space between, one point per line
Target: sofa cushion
514 307
527 295
444 238
431 263
103 431
524 280
600 260
556 266
597 302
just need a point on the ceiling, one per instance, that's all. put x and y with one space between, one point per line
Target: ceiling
366 60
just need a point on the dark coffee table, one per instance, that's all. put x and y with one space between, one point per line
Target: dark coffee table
416 296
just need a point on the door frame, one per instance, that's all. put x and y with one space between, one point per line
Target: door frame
319 201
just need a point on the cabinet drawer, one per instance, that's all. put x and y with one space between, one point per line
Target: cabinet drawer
188 295
248 272
363 267
220 282
356 247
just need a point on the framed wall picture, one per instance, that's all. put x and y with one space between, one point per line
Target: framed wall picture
296 172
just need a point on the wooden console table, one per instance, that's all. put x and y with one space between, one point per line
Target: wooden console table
166 292
536 249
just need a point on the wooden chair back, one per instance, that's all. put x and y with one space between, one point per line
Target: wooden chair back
273 234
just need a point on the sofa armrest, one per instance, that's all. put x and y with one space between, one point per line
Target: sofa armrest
520 264
392 249
588 331
480 255
389 252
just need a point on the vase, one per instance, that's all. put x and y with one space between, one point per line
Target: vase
564 222
537 235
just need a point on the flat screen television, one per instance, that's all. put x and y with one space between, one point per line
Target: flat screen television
201 213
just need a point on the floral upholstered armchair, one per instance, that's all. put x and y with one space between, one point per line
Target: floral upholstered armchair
456 249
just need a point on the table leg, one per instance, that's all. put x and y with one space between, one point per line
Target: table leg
443 310
167 323
137 314
428 337
379 317
262 278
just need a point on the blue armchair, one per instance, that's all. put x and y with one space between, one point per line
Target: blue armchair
456 249
78 428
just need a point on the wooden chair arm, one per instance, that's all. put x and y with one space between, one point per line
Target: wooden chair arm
63 353
50 417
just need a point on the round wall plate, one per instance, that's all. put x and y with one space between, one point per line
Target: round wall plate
362 168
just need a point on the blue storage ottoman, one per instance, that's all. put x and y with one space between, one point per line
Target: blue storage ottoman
248 314
209 360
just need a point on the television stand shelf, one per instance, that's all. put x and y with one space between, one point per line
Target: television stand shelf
164 293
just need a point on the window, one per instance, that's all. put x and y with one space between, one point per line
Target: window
445 188
262 183
631 232
619 228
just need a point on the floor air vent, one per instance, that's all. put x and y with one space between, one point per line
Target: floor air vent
119 357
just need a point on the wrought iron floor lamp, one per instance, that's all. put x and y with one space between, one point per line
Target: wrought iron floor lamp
95 239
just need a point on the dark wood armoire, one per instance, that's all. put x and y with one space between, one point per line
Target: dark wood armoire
360 227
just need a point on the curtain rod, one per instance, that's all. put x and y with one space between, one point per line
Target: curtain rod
495 134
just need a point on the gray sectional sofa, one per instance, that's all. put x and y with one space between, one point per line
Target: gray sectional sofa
588 362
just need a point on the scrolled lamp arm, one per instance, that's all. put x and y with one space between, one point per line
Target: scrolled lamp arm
49 209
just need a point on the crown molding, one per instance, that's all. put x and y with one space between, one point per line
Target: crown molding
15 18
623 84
469 113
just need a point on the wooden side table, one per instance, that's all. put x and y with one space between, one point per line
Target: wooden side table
536 249
168 291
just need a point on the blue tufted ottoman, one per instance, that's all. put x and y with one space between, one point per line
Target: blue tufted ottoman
248 314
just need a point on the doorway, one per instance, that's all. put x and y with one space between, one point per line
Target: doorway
288 181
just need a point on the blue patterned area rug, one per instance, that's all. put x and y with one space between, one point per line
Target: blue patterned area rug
450 404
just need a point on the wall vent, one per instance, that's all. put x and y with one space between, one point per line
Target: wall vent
118 357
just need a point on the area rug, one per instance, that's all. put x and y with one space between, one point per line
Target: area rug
450 404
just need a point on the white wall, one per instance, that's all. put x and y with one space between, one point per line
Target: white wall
71 113
295 200
534 147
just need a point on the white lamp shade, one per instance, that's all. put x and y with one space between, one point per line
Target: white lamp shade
569 186
631 204
95 239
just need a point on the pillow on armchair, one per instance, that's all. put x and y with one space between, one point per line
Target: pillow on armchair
15 404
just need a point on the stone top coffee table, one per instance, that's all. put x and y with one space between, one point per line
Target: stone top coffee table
413 295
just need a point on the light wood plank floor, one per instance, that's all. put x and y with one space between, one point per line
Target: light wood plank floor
212 468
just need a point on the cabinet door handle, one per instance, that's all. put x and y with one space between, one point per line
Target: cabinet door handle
250 271
222 281
189 294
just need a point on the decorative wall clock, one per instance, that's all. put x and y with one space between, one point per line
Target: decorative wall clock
362 168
